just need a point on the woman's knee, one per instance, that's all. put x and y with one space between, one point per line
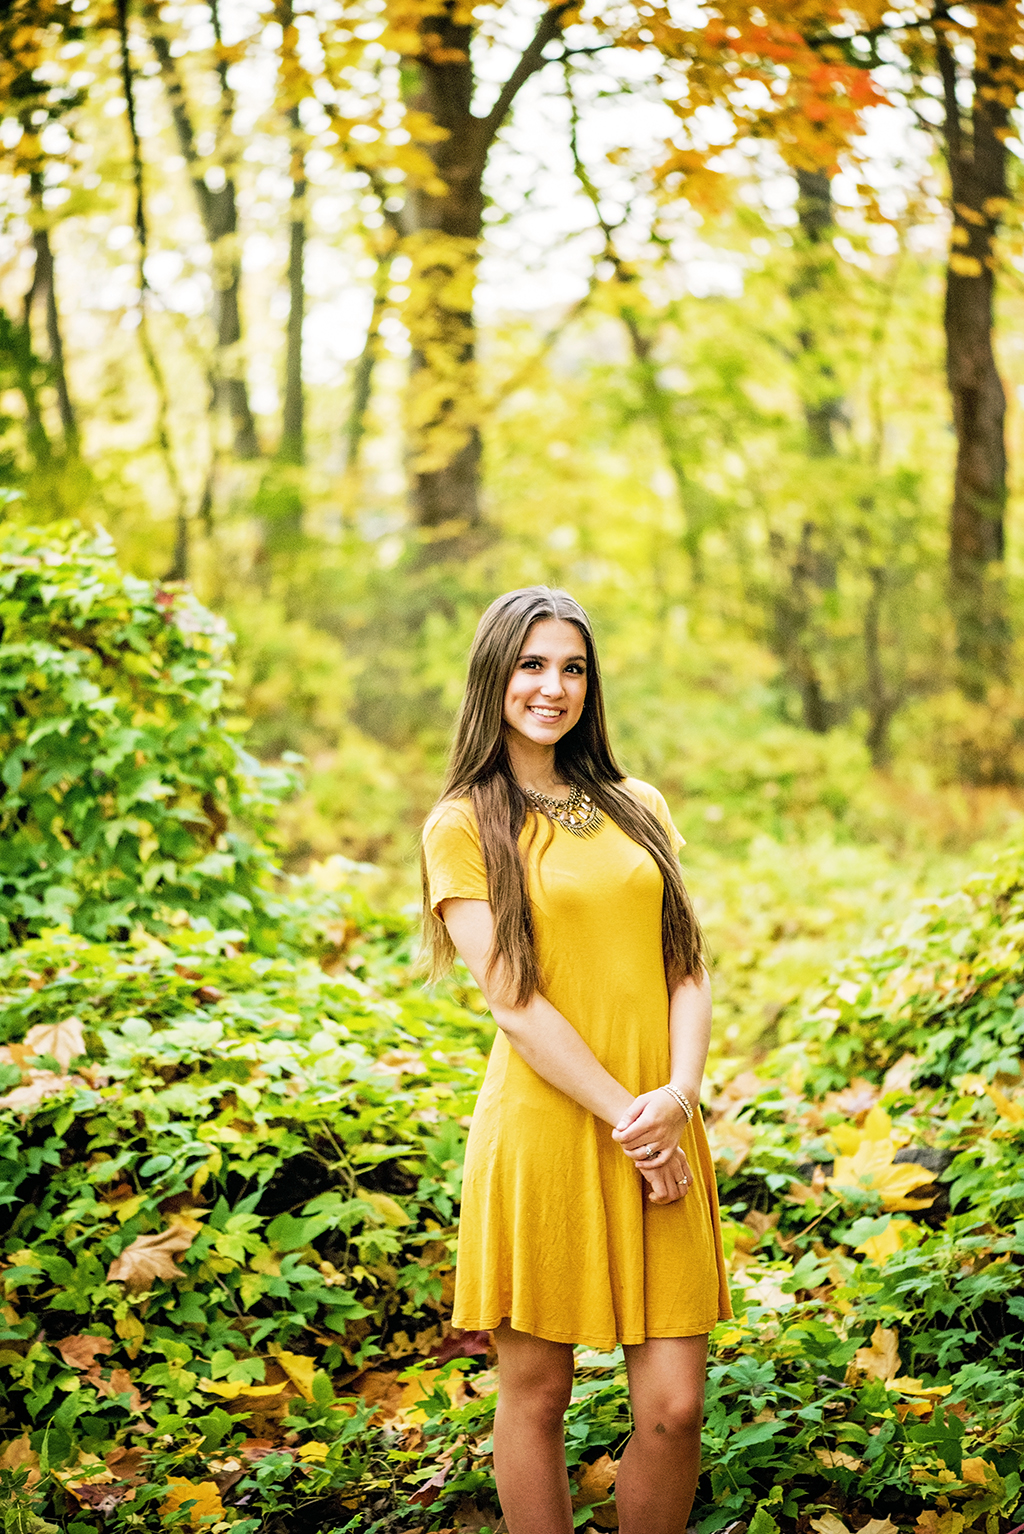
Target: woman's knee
677 1414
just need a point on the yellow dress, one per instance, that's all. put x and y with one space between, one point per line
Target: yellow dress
556 1232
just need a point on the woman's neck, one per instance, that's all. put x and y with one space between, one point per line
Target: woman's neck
534 765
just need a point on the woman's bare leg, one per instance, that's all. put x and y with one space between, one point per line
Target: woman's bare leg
658 1471
534 1389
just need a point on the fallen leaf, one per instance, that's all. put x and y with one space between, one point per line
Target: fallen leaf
828 1523
909 1387
119 1383
836 1459
730 1143
976 1471
299 1369
313 1451
879 1526
149 1258
930 1522
203 1495
64 1041
1007 1109
881 1360
132 1333
595 1481
230 1390
80 1351
41 1085
19 1452
871 1167
390 1211
896 1235
900 1077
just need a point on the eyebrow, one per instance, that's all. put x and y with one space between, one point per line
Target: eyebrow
533 655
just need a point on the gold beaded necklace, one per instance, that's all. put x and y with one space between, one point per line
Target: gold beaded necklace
578 814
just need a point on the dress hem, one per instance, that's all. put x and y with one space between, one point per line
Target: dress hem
576 1340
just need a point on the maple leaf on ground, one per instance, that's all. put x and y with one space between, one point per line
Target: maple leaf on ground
119 1383
829 1524
878 1526
595 1481
871 1168
299 1369
40 1085
836 1459
880 1361
19 1452
203 1495
81 1350
149 1258
64 1041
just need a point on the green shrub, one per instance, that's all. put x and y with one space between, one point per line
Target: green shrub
121 789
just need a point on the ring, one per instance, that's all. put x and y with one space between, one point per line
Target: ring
651 1152
681 1182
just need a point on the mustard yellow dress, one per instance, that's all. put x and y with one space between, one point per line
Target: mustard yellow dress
556 1232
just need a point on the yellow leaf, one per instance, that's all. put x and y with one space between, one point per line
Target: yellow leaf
909 1387
230 1390
203 1495
389 1210
299 1369
964 266
872 1168
889 1241
130 1208
878 1526
64 1041
1007 1109
877 1125
132 1332
314 1451
976 1471
880 1361
846 1138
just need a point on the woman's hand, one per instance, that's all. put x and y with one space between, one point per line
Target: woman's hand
653 1121
671 1181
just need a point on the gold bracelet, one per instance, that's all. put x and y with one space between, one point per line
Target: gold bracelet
681 1099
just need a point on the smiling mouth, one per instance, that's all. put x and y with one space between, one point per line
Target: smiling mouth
549 714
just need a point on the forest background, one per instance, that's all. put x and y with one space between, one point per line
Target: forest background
347 317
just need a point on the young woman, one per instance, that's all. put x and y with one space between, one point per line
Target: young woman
556 878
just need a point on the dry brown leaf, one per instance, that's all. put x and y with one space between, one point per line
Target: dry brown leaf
149 1258
836 1459
759 1223
828 1523
595 1481
80 1351
203 1494
879 1526
880 1361
63 1041
470 1520
19 1452
730 1143
41 1085
119 1383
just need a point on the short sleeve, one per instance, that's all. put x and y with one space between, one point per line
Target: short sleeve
454 860
655 802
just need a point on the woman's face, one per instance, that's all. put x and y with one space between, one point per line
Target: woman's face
548 687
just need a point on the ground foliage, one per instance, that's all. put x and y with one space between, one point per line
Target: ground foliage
230 1184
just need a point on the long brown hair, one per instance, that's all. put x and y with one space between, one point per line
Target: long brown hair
480 770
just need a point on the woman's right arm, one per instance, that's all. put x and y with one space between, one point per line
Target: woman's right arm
542 1037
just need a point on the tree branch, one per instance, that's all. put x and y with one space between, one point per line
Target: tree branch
530 61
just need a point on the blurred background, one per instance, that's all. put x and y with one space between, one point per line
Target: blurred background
354 313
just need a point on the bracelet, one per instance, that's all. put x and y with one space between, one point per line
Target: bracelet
681 1099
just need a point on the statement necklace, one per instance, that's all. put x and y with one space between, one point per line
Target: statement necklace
578 814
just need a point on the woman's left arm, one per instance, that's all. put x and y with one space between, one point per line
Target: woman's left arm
655 1118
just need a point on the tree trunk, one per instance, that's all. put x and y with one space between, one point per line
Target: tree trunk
44 290
16 343
976 157
822 402
363 368
293 425
219 214
444 245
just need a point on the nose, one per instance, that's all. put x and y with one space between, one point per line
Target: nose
551 684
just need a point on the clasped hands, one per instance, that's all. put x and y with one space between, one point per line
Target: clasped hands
655 1120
